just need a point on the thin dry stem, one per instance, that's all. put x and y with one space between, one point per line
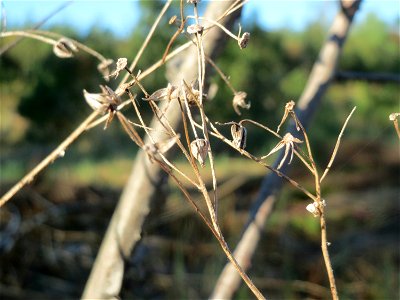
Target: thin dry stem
44 20
220 136
325 252
29 35
216 232
178 31
81 46
152 140
58 152
221 74
336 146
324 242
147 40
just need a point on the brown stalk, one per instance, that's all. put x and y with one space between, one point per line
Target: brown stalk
58 152
125 226
328 167
147 40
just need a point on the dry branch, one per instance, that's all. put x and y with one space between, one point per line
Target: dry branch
321 76
125 228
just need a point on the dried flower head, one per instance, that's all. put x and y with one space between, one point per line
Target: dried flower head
244 40
65 48
193 1
287 141
239 100
121 65
315 207
239 135
169 93
104 67
191 93
289 106
107 100
393 116
96 100
199 149
172 20
195 28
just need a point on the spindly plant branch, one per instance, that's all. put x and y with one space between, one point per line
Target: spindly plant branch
57 153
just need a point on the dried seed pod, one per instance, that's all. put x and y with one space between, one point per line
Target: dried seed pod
107 99
195 28
121 64
172 20
199 149
111 96
65 48
96 100
289 106
244 40
169 93
313 208
239 100
393 116
239 135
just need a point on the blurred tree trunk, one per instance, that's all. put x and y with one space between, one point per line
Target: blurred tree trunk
146 178
323 72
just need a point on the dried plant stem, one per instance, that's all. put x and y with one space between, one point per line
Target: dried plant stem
221 74
44 20
147 40
214 223
81 46
324 242
58 152
216 232
29 35
325 253
337 146
104 118
216 24
396 126
220 136
165 159
159 63
178 31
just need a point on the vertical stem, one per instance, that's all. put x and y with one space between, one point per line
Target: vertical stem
325 252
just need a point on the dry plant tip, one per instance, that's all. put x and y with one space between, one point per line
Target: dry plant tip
199 149
239 100
169 93
287 141
393 116
172 20
289 108
244 40
195 29
121 65
315 208
193 1
106 100
65 48
239 135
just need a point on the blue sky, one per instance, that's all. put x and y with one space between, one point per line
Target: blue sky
120 16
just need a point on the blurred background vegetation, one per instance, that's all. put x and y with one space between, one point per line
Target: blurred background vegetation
64 213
